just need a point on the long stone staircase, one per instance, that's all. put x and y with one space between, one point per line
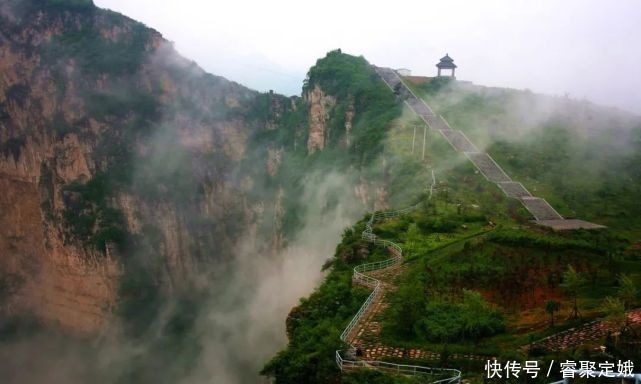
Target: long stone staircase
544 214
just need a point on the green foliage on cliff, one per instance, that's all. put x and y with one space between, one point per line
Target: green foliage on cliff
95 54
341 75
418 317
282 126
352 80
315 325
53 7
89 215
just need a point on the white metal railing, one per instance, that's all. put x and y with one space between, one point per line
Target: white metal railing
359 277
438 375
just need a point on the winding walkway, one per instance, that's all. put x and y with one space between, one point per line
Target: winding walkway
379 276
544 214
362 332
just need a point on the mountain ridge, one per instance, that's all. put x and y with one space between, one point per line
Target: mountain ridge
134 182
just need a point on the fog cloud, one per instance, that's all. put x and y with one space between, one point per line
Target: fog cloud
585 48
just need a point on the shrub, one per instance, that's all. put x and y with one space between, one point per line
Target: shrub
472 318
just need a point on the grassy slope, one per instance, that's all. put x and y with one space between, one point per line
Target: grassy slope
581 157
516 267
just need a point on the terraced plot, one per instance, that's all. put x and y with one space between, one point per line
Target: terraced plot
540 209
458 140
514 189
487 166
583 334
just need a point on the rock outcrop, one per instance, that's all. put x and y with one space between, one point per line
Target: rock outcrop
320 106
85 127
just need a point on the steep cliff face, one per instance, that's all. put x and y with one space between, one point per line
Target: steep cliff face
59 283
90 102
127 170
136 187
320 106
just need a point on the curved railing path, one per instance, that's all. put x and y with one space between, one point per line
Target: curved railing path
348 360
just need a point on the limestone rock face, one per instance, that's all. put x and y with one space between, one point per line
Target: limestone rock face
60 283
320 106
380 203
65 120
274 160
349 116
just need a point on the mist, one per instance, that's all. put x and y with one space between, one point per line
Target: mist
225 275
586 49
245 324
239 324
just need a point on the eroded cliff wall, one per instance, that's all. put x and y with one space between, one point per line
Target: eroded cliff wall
100 119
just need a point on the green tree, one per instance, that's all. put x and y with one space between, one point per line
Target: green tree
552 306
411 308
479 318
628 291
615 312
572 283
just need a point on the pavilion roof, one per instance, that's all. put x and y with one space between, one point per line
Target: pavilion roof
446 62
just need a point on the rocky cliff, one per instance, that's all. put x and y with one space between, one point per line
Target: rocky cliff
126 169
107 136
320 107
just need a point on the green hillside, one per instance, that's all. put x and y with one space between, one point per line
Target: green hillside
480 279
581 157
146 197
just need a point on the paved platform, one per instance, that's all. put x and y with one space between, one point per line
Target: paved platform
568 224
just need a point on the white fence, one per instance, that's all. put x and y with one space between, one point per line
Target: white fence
438 375
443 375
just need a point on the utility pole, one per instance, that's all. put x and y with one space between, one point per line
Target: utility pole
424 138
414 138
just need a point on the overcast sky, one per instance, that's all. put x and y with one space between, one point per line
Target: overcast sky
585 48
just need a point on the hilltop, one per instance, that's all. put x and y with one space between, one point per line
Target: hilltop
152 208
